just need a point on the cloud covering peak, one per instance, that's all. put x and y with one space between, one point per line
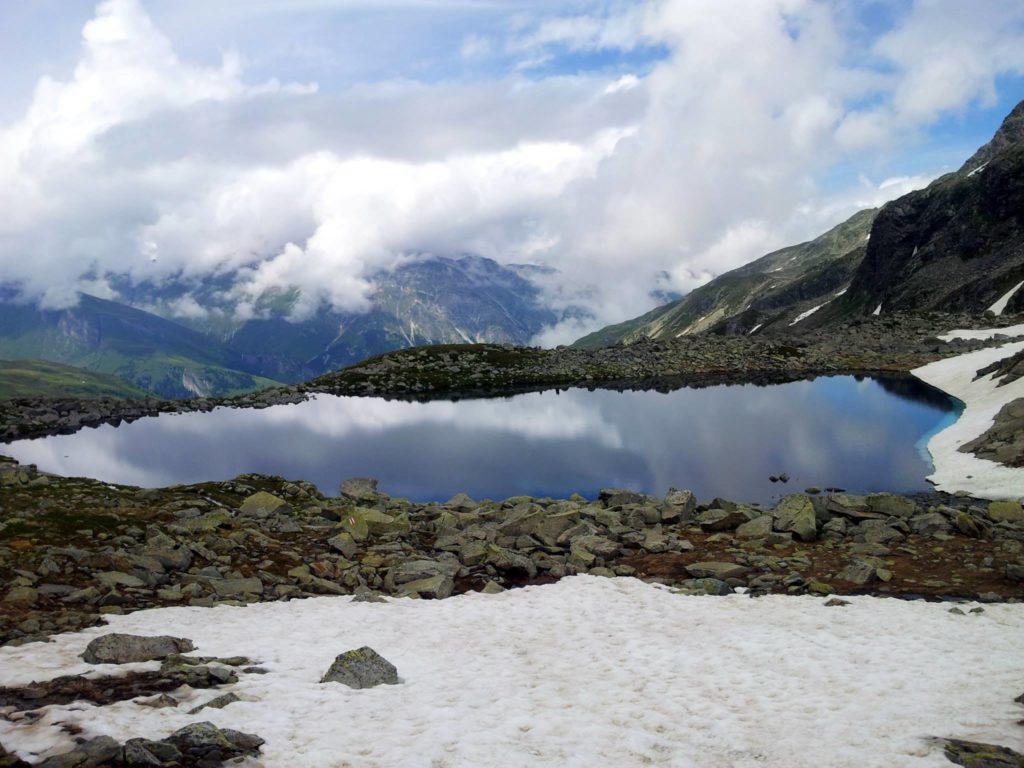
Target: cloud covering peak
632 146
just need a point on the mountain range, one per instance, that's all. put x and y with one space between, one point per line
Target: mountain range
956 245
431 300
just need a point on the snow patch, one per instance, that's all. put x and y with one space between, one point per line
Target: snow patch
755 329
878 309
587 671
808 313
1009 331
1003 300
982 398
979 169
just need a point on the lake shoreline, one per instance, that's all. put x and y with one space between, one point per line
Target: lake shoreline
894 345
75 549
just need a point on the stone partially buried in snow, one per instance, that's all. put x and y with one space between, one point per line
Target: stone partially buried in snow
117 648
361 668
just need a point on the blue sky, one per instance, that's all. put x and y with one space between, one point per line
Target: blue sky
312 142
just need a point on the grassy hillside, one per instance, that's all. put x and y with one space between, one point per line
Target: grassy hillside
787 279
40 378
101 336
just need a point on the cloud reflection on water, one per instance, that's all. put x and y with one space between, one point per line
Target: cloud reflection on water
858 434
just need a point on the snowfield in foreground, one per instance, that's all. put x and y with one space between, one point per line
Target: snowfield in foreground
585 672
982 398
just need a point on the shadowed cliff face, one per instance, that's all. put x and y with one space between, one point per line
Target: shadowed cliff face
957 244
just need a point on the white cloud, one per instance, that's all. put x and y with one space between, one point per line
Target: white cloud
144 164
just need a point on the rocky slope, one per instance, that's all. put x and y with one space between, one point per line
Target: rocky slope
955 246
73 549
790 277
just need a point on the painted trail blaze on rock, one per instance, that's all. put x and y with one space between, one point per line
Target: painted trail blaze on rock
361 668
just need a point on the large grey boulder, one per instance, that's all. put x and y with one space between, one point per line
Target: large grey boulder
795 513
758 528
425 578
680 505
262 504
206 744
721 520
359 487
716 570
361 668
117 648
1006 512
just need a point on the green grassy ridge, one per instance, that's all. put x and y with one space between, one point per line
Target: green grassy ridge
778 280
149 352
42 378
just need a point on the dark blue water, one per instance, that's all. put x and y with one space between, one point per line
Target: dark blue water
859 434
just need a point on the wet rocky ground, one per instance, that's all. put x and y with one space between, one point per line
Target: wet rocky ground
73 550
895 343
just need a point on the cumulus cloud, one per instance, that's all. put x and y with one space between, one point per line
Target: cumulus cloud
662 173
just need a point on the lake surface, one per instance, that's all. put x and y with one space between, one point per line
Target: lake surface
862 434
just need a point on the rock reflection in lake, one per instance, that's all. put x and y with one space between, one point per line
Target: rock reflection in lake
862 434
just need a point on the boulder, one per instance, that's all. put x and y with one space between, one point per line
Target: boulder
113 579
218 702
859 572
100 751
973 754
206 744
21 596
795 514
460 502
721 520
117 648
929 523
615 497
1006 512
717 570
509 561
236 587
262 504
344 544
680 505
706 586
359 488
758 528
361 668
891 505
436 587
